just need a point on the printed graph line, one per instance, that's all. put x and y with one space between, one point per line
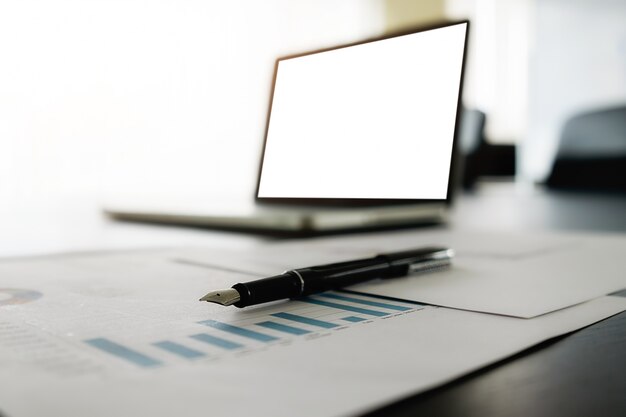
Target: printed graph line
364 302
344 307
381 297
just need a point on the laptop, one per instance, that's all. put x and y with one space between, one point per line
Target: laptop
357 136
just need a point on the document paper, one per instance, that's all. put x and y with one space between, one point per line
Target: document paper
123 335
519 275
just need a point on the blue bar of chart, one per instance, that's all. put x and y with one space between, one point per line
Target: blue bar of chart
239 331
179 350
322 312
306 320
216 341
123 352
283 328
365 302
353 319
344 307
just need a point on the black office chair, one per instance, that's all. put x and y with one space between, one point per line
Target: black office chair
592 152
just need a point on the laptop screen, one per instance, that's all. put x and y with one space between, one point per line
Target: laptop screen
368 121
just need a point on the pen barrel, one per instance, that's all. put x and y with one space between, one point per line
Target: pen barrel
333 276
269 289
305 281
343 274
406 262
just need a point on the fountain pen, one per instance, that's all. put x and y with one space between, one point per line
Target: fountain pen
301 282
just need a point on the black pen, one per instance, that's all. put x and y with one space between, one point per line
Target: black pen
315 279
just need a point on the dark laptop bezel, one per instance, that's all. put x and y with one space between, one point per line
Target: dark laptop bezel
369 202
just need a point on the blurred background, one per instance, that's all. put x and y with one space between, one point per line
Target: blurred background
105 98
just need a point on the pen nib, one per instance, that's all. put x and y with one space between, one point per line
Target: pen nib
224 297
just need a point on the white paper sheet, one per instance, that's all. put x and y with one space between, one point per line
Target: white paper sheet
520 275
87 335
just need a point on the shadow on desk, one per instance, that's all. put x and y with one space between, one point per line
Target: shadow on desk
501 206
290 234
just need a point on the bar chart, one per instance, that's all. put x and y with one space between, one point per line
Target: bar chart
294 321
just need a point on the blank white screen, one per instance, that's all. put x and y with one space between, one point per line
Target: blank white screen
371 121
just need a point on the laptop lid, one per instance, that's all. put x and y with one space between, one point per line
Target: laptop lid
366 124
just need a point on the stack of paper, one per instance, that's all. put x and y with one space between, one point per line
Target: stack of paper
515 275
123 333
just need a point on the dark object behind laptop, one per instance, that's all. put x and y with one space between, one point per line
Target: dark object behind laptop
592 152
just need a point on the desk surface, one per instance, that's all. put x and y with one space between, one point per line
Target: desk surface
580 374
